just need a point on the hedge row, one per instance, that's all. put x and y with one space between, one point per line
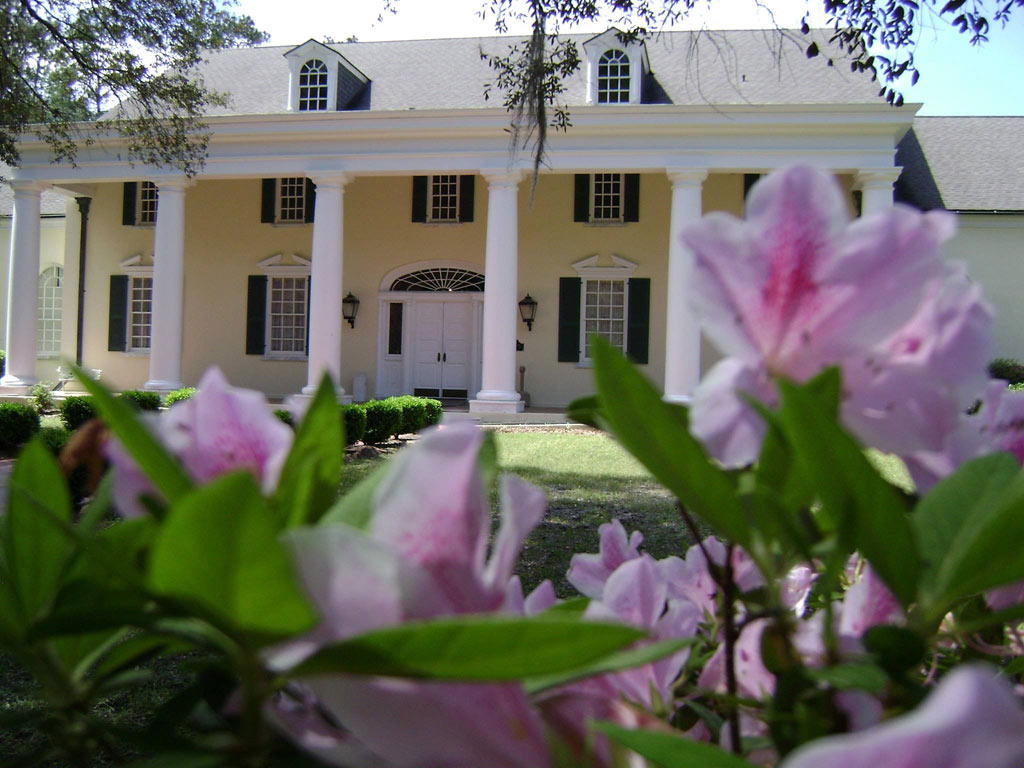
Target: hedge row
378 420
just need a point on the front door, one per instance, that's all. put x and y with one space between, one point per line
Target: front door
442 348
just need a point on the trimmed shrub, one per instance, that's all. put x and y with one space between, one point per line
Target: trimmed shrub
383 419
76 410
1008 369
142 399
354 420
178 395
18 423
286 416
414 414
434 411
42 397
1016 387
54 438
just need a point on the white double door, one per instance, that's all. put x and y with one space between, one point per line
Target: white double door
443 348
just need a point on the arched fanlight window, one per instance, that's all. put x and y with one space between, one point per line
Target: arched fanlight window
50 310
438 279
613 78
313 86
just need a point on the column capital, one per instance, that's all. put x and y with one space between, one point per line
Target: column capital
23 187
325 179
174 184
502 178
686 177
877 178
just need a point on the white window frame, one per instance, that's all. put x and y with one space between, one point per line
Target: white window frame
432 198
623 95
275 268
146 214
636 54
279 200
323 75
136 270
594 218
50 327
589 270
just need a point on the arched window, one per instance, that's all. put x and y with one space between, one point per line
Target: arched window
440 279
313 86
613 78
50 311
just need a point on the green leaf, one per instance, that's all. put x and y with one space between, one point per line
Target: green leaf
487 461
134 650
897 649
486 647
869 512
218 550
671 750
982 540
38 542
160 467
657 433
587 410
312 471
355 508
942 513
86 606
865 677
632 657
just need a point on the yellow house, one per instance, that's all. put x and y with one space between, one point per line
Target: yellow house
380 173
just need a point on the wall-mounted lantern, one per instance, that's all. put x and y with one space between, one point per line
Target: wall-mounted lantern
349 308
528 310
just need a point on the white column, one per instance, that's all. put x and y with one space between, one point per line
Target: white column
875 186
166 332
23 287
501 301
325 317
682 331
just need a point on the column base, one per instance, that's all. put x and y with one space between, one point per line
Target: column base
163 385
309 390
505 405
678 399
11 381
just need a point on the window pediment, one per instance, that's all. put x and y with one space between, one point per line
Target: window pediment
285 264
591 268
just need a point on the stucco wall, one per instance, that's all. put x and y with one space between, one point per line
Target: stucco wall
225 241
992 246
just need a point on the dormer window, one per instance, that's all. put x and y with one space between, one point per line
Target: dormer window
313 86
320 79
615 69
613 78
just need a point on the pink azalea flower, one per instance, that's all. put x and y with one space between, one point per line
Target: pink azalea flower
866 604
971 719
424 556
218 430
795 288
589 572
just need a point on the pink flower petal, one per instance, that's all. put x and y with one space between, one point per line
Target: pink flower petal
731 430
970 720
589 572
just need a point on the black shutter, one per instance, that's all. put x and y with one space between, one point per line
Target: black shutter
419 198
631 197
268 201
309 282
638 327
858 203
581 198
117 319
256 315
310 201
131 191
749 180
466 184
569 319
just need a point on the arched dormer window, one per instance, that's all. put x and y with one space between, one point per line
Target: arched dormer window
613 78
313 86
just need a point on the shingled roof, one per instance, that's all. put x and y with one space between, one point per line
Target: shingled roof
963 164
696 68
52 203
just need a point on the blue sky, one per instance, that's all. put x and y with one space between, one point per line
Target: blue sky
957 78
